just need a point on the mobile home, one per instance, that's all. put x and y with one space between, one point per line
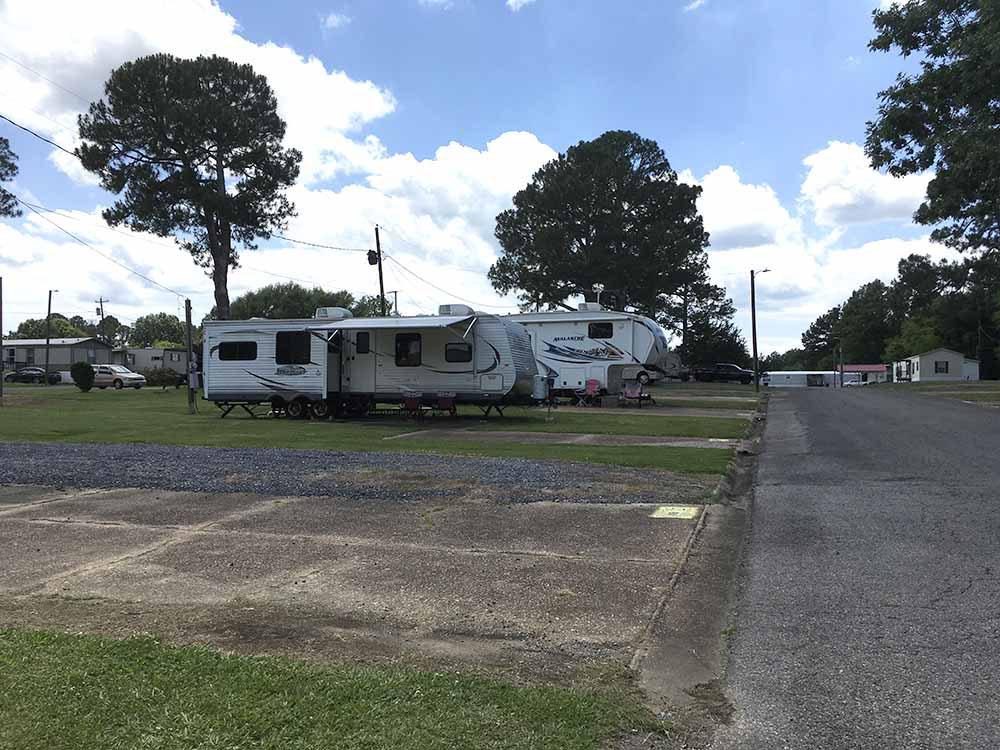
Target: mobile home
799 379
936 365
574 346
335 361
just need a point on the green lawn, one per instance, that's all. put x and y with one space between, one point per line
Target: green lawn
74 692
64 414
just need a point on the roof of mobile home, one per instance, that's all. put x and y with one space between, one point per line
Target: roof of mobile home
941 349
52 341
865 368
319 324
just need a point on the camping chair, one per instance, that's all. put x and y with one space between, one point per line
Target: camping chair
412 406
446 402
590 394
634 391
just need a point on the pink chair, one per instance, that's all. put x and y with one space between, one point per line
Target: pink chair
590 394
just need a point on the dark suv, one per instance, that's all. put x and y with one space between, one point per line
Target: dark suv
723 372
31 375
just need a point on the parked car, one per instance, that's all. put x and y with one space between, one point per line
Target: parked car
722 372
31 375
117 377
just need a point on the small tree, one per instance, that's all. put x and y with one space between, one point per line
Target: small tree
83 375
154 327
192 147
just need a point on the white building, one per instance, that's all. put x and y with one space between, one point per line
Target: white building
936 365
799 379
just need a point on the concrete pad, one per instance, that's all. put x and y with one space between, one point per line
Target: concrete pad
567 599
31 553
606 532
144 507
562 438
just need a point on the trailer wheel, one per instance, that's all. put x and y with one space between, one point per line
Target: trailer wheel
643 378
296 409
320 409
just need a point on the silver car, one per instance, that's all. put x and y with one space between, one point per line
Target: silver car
117 377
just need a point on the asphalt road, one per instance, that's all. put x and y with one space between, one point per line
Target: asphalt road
869 612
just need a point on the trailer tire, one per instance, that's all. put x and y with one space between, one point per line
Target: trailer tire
643 378
297 409
320 409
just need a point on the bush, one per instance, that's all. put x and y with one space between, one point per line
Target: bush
160 376
83 375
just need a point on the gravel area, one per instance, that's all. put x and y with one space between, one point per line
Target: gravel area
392 477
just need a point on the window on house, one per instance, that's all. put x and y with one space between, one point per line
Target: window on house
175 357
292 347
940 367
362 343
237 351
29 356
91 356
157 359
458 352
407 350
601 330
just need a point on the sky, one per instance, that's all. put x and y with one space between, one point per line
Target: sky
427 116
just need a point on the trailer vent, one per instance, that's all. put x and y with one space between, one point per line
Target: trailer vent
590 307
455 310
332 313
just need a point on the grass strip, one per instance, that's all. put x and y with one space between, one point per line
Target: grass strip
71 691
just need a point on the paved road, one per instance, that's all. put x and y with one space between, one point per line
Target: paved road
870 610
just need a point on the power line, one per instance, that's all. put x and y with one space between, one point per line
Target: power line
445 291
321 245
39 137
88 245
45 78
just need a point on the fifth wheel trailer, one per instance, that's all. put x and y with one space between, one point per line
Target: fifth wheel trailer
335 361
574 346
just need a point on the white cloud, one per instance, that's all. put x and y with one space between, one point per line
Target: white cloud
516 5
738 214
333 21
841 188
436 3
694 5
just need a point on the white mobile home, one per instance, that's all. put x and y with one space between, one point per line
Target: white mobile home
574 346
334 361
936 365
799 379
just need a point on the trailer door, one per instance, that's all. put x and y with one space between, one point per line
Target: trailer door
359 362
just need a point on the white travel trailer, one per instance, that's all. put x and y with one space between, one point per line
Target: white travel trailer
573 346
334 361
799 379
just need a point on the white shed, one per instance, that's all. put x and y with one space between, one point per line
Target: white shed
936 365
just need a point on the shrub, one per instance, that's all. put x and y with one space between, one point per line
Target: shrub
83 375
160 376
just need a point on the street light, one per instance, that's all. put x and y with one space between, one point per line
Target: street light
48 321
753 326
598 288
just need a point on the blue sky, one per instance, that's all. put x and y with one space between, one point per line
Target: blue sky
426 116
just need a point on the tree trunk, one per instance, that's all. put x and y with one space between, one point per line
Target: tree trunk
223 252
220 277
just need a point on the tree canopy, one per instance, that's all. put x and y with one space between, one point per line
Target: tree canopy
291 300
946 116
609 211
60 328
149 329
8 171
193 149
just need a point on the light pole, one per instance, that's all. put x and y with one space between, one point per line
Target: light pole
753 326
598 288
48 331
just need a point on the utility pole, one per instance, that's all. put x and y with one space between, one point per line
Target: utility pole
48 332
395 301
100 311
2 353
190 359
378 259
753 326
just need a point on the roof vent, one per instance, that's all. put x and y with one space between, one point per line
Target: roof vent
332 313
455 310
590 307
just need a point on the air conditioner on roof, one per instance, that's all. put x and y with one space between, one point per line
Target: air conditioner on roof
590 307
455 310
332 313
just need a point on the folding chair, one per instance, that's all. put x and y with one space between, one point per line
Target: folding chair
590 394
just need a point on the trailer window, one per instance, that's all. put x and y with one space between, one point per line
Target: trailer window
362 343
233 351
292 347
407 350
458 352
940 367
601 330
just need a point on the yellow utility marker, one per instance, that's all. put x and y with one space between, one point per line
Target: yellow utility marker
687 512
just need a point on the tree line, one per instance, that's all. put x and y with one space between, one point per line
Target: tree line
928 305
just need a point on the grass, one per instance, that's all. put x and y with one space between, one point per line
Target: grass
64 414
71 691
607 422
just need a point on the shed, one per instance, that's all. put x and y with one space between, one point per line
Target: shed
867 373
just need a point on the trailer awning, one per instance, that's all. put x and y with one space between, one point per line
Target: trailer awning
418 321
